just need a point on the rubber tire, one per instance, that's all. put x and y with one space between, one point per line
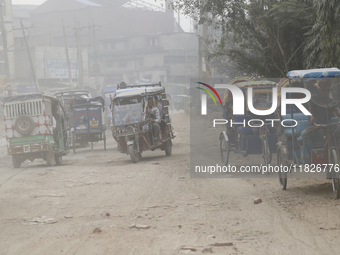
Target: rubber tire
16 162
168 148
30 128
265 146
282 176
104 137
224 150
133 153
58 159
49 157
335 175
74 143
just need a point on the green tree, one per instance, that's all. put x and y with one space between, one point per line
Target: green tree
258 37
323 47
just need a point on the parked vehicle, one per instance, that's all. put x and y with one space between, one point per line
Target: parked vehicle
324 158
247 140
181 102
66 97
36 126
88 121
133 126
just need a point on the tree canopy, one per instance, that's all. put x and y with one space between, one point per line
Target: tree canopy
268 37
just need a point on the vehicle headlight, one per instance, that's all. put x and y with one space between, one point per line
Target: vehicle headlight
130 130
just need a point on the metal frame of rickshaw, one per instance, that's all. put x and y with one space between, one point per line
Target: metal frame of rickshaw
263 135
134 143
284 152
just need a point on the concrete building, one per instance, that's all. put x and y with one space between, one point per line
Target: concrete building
170 58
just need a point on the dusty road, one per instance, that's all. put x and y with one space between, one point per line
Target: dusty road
55 210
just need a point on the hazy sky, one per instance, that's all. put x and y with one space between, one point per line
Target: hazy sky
28 1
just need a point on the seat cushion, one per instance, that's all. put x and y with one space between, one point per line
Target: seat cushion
302 125
240 119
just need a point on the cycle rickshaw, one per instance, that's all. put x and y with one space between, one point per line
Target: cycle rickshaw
132 127
324 154
243 139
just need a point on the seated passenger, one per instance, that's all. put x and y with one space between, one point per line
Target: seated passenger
155 116
313 137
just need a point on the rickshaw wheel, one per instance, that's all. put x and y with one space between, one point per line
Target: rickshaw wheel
168 148
267 155
134 155
224 148
16 162
282 175
49 156
335 174
58 159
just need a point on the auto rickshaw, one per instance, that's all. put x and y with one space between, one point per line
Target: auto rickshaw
66 97
324 158
132 125
36 126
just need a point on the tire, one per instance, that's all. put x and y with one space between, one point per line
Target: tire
267 155
282 175
74 143
58 159
335 174
168 148
104 137
225 151
134 155
49 157
16 162
24 125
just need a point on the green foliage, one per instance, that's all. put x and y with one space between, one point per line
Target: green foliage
323 47
257 37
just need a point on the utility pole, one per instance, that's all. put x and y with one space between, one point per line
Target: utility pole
29 55
4 43
79 56
96 67
67 56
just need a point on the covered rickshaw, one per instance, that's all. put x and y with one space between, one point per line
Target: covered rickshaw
250 137
133 127
36 126
312 145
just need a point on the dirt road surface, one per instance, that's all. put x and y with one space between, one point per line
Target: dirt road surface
99 202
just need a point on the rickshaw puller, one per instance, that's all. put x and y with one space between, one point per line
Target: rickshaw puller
313 137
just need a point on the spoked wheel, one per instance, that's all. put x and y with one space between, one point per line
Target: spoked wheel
224 148
58 159
16 161
335 174
282 174
134 154
267 155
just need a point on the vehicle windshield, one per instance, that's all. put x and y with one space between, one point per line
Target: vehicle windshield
262 98
127 114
